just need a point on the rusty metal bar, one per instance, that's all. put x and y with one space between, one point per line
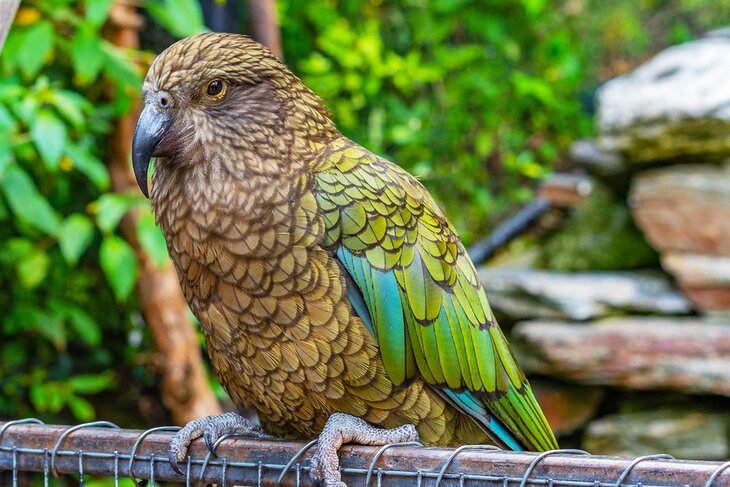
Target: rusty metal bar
93 450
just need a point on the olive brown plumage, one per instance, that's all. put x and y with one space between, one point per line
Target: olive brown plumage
332 292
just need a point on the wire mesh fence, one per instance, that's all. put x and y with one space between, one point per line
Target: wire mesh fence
103 449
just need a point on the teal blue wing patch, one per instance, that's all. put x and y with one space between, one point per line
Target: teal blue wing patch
468 403
381 296
376 298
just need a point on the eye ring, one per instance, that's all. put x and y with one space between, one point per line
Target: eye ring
215 88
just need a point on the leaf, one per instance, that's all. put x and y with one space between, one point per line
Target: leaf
6 150
89 166
70 105
14 249
26 202
23 318
54 331
181 18
3 209
110 208
85 327
120 68
48 397
7 121
97 11
29 318
74 236
90 383
13 43
81 408
119 264
151 239
32 269
49 135
26 108
33 49
534 7
86 53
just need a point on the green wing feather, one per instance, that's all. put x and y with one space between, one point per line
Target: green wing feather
424 301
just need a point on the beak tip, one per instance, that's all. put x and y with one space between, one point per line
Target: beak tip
140 165
147 135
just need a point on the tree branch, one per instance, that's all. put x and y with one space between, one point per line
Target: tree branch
264 24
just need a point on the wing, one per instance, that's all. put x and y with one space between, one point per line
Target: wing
419 293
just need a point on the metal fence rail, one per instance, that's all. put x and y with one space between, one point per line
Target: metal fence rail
102 448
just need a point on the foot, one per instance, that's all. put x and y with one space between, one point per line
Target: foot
343 428
210 428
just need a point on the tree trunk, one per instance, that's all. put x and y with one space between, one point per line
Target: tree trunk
185 389
264 24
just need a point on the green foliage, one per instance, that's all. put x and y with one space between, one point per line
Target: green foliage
74 237
181 18
477 99
120 265
52 396
66 277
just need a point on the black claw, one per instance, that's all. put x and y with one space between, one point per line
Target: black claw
173 462
209 442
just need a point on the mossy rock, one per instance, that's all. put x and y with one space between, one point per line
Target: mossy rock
600 235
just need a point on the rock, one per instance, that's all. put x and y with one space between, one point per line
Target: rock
684 208
567 407
704 279
709 299
698 270
684 212
684 354
565 190
674 105
719 32
588 154
528 293
688 434
600 235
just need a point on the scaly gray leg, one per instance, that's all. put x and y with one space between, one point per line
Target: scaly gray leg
210 428
343 428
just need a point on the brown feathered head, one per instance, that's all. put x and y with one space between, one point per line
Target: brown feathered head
219 98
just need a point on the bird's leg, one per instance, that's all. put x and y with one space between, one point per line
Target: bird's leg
210 428
343 428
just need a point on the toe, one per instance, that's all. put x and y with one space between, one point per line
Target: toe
411 434
319 479
172 457
210 438
325 466
314 479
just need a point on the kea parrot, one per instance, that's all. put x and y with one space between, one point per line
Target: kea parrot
335 297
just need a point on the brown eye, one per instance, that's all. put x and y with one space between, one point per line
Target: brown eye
214 88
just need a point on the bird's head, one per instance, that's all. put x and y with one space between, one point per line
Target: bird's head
221 97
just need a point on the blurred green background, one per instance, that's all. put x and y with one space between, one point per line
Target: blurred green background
479 99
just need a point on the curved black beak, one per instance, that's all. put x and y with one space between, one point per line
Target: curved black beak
151 128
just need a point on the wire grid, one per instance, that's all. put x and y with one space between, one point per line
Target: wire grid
224 471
